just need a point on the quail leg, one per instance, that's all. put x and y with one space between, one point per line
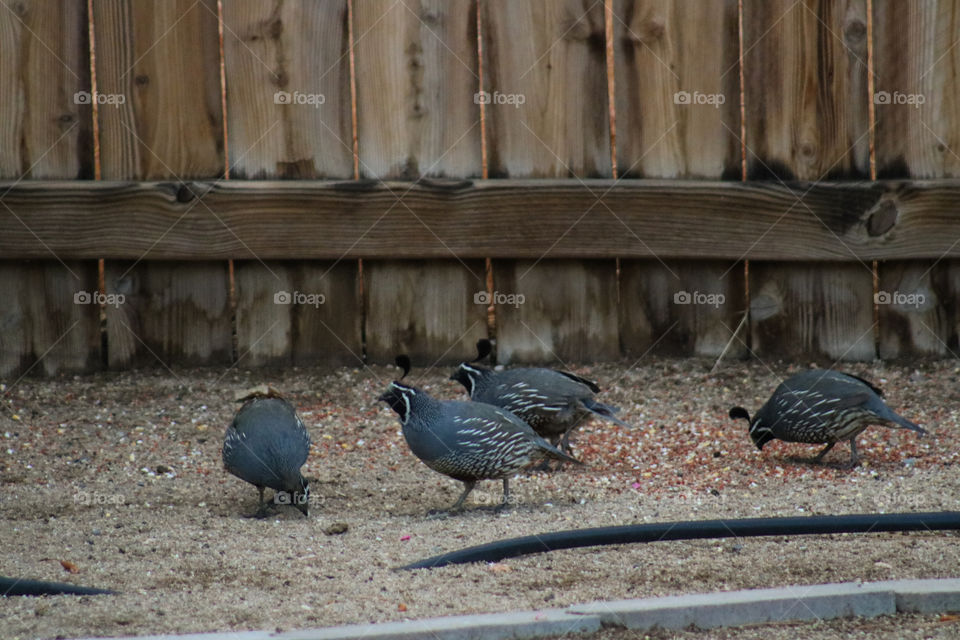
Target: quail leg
467 488
819 456
505 503
263 507
854 458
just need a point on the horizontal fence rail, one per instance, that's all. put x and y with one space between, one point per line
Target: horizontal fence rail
836 221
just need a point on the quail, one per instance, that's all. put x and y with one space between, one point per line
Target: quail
265 445
553 402
822 407
467 441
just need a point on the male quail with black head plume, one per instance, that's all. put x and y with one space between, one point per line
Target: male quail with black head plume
468 441
822 407
553 402
265 445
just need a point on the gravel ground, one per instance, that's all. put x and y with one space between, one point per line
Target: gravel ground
114 480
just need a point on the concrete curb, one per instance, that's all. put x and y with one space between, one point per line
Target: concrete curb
705 610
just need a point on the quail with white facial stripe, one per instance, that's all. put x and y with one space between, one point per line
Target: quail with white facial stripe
822 407
552 402
265 445
467 441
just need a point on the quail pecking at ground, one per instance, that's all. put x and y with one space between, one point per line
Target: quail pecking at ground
823 407
265 445
553 402
468 441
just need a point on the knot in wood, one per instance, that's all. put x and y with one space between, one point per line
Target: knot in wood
882 218
855 33
185 193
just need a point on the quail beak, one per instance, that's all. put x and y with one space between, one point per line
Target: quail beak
383 397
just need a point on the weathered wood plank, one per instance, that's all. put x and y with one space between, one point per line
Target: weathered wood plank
45 114
158 71
288 89
169 313
552 310
916 302
429 311
496 218
681 308
545 75
49 319
416 116
416 82
917 99
815 311
677 88
805 87
299 313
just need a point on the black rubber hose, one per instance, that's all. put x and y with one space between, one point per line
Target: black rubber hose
696 529
23 587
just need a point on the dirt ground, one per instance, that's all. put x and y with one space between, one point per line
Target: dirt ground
115 480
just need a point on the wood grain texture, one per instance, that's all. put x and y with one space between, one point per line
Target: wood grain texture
45 118
550 54
677 88
424 308
417 80
812 311
163 60
917 97
805 76
49 319
917 302
169 314
555 311
681 308
298 313
496 218
288 89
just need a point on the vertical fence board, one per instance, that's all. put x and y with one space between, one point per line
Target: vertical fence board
417 82
289 116
416 78
46 133
300 313
678 116
800 310
917 99
288 89
806 110
49 319
162 59
917 105
426 309
677 89
681 308
914 301
551 55
45 116
562 310
805 75
170 313
158 76
548 116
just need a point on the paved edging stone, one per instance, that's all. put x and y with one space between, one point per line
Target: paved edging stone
704 610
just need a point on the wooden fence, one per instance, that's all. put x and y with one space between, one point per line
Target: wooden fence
334 181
